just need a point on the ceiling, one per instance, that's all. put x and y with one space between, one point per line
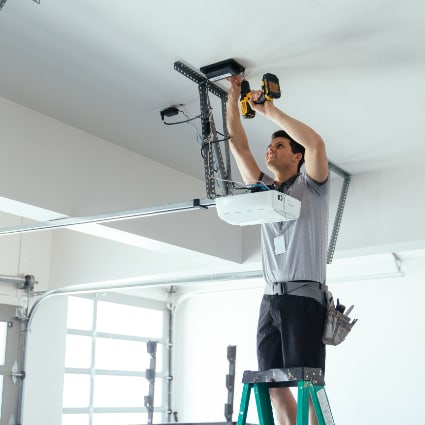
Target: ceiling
354 71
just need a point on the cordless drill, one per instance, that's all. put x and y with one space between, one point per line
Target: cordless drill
246 110
270 90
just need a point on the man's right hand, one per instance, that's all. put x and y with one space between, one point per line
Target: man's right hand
264 108
238 141
234 92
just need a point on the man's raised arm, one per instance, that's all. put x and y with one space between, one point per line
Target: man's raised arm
316 162
239 146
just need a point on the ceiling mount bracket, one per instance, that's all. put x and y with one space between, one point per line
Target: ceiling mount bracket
210 148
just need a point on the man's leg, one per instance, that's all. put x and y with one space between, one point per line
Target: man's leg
312 418
284 405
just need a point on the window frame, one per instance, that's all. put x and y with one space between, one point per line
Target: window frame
160 408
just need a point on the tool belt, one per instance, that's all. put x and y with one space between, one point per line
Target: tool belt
301 288
337 324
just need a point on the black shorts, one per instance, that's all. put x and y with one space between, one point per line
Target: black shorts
290 332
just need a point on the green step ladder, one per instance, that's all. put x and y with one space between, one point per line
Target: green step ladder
310 382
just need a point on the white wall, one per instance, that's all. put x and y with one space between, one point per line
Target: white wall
45 369
375 376
52 165
384 211
23 254
205 325
80 258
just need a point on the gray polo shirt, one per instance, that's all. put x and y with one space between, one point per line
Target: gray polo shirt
305 239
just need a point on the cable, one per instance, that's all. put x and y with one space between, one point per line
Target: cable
242 186
235 184
210 142
181 122
207 152
259 184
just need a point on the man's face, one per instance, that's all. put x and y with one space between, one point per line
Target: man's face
279 153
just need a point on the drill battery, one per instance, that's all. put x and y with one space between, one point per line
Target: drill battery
270 87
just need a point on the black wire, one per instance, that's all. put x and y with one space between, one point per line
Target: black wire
236 186
181 122
206 144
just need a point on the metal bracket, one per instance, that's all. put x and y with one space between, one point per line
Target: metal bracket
24 281
210 149
14 373
150 376
230 382
340 209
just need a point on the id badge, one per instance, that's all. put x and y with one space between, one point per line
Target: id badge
279 245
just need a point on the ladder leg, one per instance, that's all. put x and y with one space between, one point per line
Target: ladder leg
321 404
302 403
243 411
264 406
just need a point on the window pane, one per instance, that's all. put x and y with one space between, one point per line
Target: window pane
118 354
80 313
75 419
76 390
78 351
158 393
129 320
159 358
3 338
120 418
120 391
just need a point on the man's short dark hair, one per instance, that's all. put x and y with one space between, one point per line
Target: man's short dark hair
295 146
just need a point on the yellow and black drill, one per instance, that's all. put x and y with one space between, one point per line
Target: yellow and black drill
270 90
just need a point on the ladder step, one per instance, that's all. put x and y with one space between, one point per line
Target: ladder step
288 375
310 382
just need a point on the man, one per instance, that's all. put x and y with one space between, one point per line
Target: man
292 311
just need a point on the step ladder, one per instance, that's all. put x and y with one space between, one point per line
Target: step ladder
310 382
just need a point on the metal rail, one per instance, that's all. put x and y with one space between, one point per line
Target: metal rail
22 281
194 204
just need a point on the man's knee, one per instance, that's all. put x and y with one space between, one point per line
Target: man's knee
285 405
282 397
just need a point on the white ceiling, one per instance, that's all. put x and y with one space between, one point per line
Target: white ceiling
352 70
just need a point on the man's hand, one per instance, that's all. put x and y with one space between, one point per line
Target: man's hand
262 108
238 141
234 92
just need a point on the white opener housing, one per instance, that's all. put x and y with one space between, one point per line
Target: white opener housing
258 208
